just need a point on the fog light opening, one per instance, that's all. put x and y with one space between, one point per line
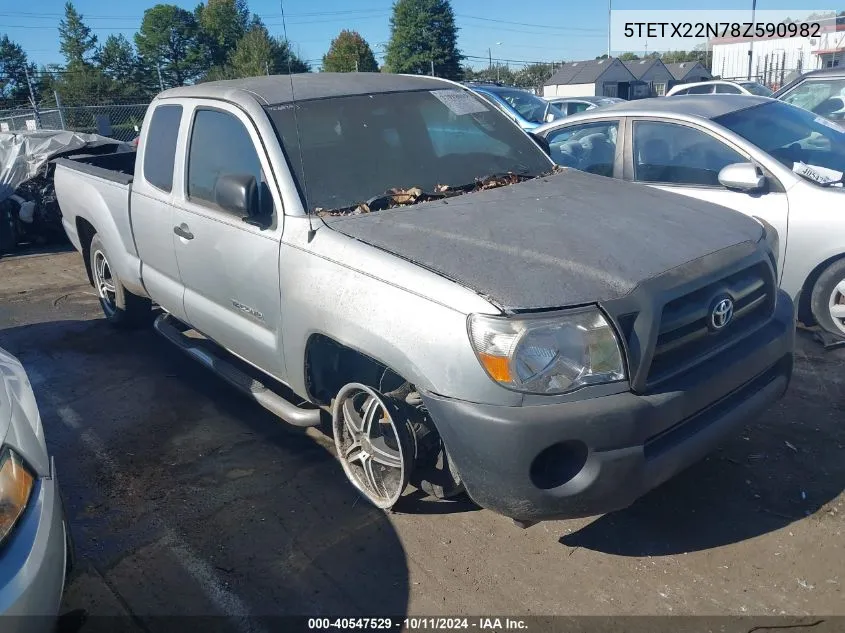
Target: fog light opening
558 464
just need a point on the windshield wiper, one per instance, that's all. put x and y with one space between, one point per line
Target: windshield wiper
498 179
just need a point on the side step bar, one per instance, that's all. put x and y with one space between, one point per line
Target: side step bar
256 390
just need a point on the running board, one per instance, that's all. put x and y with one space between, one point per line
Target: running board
253 388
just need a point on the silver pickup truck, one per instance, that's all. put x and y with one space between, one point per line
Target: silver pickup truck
393 251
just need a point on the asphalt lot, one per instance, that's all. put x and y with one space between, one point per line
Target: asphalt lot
186 498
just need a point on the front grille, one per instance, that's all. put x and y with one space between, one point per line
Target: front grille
686 336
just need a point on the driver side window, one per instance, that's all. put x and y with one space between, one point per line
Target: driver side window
676 154
220 145
587 146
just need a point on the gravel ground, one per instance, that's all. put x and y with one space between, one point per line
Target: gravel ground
186 498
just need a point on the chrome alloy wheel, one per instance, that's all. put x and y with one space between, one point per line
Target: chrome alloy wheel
104 282
374 445
836 305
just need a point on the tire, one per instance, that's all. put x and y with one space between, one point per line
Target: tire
120 307
441 480
827 300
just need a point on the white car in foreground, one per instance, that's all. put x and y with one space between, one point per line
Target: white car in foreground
34 541
765 158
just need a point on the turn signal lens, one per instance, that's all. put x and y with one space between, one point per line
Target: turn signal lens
496 366
15 488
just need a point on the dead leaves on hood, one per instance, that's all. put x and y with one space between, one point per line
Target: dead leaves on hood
397 197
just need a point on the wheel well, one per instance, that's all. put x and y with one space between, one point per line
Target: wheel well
86 232
805 314
329 365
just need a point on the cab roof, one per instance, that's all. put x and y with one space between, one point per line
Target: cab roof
278 89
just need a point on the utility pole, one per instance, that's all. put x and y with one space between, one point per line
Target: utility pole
160 82
490 58
609 3
356 64
32 99
751 43
267 67
432 68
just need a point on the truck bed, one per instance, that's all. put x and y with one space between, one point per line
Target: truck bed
118 168
95 191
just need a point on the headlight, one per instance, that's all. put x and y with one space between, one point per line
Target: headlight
15 487
548 355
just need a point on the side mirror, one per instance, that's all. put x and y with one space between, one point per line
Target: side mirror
744 177
542 142
238 193
550 117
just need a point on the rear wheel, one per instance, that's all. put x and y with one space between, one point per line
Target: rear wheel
828 299
120 306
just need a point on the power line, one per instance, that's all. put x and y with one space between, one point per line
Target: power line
527 32
86 16
132 28
542 26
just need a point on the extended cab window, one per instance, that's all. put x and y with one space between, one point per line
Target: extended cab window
160 146
220 144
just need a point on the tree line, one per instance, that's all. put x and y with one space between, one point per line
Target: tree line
222 39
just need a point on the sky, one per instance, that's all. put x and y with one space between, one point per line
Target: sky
511 31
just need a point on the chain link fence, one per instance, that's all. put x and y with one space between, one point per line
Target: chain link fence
115 120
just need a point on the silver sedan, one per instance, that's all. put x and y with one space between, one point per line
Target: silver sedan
762 157
34 540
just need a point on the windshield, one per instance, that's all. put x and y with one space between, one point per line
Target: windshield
530 107
756 89
822 96
359 147
797 138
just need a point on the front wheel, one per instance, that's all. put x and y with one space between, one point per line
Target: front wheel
121 307
828 299
374 442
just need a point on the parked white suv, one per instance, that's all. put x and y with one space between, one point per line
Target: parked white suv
719 86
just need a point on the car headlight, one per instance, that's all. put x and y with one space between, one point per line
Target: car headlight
16 483
548 354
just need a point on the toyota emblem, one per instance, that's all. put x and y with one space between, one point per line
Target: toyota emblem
722 313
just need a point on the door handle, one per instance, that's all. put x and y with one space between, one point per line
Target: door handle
183 231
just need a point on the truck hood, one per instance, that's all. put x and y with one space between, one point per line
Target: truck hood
567 239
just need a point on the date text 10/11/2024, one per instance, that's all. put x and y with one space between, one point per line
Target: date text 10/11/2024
482 624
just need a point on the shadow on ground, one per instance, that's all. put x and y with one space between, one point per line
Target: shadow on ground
58 245
186 498
783 467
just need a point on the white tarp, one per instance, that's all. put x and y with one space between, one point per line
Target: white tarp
22 154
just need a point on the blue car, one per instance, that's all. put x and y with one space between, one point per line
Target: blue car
528 110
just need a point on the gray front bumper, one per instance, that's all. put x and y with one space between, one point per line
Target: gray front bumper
32 563
597 455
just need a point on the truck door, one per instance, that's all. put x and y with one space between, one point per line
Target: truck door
151 208
229 268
